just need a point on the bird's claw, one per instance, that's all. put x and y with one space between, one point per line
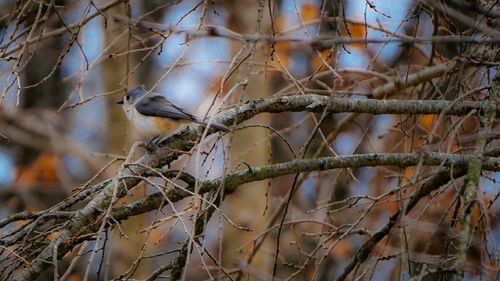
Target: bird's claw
153 144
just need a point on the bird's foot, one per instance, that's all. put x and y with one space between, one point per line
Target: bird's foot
153 144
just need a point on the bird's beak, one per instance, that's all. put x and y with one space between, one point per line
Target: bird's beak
119 102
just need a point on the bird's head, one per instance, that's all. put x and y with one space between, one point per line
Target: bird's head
132 96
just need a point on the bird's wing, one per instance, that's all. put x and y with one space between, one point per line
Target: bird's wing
160 106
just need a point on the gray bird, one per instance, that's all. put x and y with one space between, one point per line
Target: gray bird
154 115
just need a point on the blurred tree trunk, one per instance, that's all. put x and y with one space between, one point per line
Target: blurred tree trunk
115 69
251 146
36 183
40 73
39 70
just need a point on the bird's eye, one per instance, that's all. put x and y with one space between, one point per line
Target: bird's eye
127 97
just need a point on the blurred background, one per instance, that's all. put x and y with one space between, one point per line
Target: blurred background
64 64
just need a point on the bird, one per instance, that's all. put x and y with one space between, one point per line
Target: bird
153 115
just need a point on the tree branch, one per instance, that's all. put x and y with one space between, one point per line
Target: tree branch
443 176
235 179
323 42
317 103
184 141
476 165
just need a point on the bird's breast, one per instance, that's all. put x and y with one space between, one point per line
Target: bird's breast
154 126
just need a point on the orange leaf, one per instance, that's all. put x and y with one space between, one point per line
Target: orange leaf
356 31
407 174
283 51
309 12
343 249
318 62
53 235
42 171
279 24
427 121
74 277
216 85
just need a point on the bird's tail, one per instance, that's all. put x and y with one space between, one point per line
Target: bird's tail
219 127
214 125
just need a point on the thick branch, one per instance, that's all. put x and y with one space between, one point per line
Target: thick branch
317 103
473 176
235 179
